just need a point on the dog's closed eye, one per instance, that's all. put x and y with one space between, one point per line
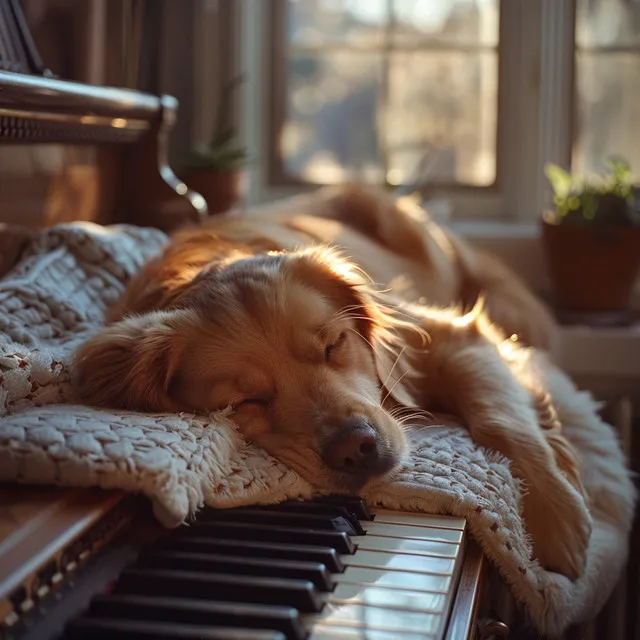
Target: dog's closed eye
333 346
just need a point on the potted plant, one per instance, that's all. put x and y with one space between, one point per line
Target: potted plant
215 169
592 238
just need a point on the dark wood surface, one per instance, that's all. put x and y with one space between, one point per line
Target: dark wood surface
123 174
462 622
76 151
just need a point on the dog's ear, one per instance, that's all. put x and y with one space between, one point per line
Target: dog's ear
131 364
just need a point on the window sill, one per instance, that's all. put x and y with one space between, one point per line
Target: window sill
586 351
582 350
495 230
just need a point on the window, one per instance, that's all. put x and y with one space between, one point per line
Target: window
607 83
389 90
464 99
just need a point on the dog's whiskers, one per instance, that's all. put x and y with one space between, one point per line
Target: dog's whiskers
415 432
408 419
395 364
399 413
395 384
375 351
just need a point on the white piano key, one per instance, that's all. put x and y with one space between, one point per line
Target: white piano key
392 562
344 633
413 547
409 532
419 519
394 579
362 616
390 598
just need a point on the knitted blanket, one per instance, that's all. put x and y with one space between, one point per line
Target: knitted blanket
56 297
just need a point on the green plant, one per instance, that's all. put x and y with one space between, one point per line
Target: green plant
606 199
222 152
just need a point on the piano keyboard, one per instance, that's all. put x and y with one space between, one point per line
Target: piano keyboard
328 569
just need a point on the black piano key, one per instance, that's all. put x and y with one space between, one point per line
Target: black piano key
269 533
325 555
357 505
300 594
279 518
334 511
234 565
200 612
100 629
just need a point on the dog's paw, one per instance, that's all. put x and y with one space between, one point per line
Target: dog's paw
560 524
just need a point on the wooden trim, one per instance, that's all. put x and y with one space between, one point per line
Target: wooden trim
216 64
557 91
34 109
145 175
428 46
84 120
604 49
49 94
463 616
276 88
61 516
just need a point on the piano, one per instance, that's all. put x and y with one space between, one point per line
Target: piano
80 564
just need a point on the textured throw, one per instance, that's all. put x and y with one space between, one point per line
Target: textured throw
56 297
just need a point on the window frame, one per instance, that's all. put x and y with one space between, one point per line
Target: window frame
591 50
535 109
276 173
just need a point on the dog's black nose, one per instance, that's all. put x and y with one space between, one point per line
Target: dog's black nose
353 449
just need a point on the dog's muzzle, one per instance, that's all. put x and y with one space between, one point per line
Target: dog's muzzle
357 451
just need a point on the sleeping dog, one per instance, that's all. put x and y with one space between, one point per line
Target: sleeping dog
328 323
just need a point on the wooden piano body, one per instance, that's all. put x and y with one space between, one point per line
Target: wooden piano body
61 547
108 156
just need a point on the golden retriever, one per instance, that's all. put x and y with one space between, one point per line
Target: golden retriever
322 358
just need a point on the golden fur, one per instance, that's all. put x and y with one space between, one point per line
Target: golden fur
321 366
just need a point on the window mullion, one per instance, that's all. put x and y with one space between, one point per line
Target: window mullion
254 64
384 103
557 39
518 106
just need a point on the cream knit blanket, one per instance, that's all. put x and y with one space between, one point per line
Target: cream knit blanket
56 297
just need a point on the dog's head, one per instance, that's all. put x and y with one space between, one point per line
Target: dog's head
294 343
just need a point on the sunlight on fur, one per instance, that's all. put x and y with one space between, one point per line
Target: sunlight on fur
287 316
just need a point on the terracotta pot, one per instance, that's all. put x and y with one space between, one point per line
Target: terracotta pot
221 189
592 268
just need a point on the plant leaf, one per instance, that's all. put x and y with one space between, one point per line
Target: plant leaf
559 179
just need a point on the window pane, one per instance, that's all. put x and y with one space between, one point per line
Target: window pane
468 22
606 23
322 22
330 131
388 113
442 117
608 109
